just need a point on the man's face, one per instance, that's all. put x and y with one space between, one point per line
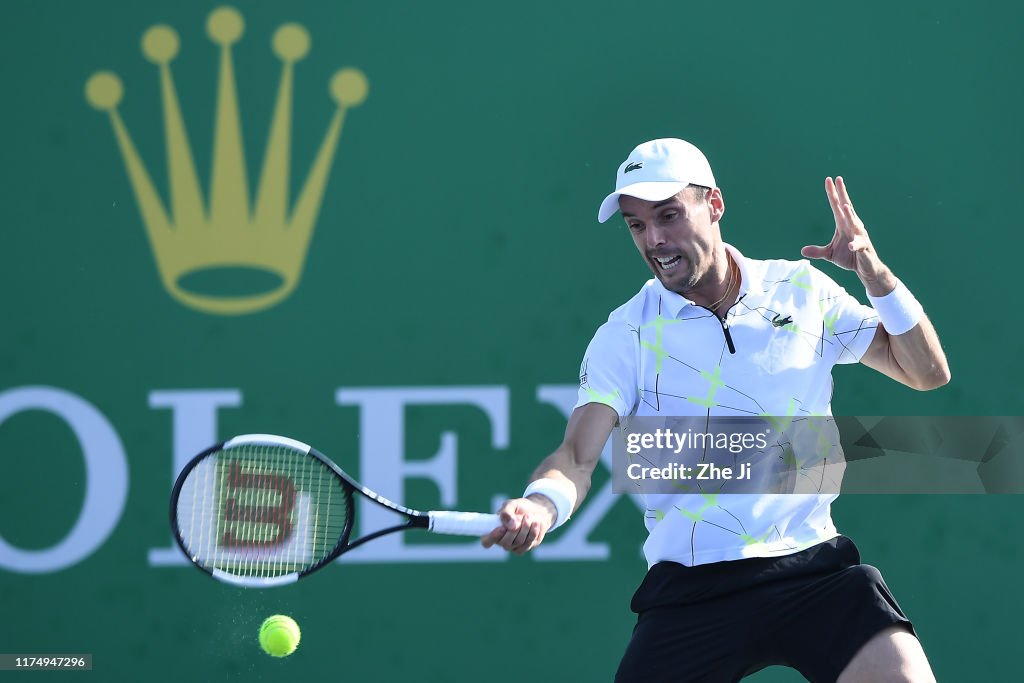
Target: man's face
677 237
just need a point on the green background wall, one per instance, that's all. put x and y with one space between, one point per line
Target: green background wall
457 246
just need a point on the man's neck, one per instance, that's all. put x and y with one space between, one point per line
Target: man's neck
723 284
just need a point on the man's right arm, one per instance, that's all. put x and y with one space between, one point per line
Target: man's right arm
525 521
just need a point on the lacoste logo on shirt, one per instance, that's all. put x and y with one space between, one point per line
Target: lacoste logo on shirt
633 166
779 321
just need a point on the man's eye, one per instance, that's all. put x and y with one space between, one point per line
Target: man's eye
636 227
669 215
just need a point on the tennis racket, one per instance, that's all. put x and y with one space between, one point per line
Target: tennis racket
260 510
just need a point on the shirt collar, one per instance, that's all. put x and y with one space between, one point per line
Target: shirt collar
674 302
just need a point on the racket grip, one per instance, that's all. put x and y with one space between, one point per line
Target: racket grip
462 523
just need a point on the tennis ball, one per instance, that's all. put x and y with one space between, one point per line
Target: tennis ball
279 635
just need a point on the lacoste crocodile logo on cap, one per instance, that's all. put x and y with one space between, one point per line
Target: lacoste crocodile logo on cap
634 166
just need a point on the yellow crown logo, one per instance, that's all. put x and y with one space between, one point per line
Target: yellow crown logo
191 239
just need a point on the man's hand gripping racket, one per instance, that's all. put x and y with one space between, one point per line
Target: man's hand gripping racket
524 522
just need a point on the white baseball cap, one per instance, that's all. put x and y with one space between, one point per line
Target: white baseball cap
657 170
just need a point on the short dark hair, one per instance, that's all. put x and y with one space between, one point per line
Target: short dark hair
697 191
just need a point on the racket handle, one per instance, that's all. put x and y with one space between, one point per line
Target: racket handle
463 523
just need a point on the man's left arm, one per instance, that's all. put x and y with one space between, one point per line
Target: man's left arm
914 356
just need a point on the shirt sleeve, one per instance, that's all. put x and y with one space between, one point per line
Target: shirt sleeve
608 373
849 325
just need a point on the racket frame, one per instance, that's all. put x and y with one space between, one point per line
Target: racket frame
415 519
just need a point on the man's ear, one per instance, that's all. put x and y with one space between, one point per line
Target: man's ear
716 204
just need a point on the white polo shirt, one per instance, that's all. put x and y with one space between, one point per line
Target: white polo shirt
661 354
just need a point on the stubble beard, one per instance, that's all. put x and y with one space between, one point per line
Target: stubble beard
681 279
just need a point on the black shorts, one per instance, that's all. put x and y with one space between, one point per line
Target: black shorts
811 610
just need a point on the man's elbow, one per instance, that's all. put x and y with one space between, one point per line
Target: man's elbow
939 377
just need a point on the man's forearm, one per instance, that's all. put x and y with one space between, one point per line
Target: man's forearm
917 352
562 465
571 465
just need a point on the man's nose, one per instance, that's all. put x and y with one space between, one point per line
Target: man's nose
655 236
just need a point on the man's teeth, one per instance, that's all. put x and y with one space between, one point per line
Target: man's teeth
667 263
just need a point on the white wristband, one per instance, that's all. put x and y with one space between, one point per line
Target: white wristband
898 310
561 493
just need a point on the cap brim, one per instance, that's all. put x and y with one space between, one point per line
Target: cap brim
650 192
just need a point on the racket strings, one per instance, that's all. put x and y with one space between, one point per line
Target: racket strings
261 511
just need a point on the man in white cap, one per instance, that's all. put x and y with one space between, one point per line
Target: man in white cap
737 582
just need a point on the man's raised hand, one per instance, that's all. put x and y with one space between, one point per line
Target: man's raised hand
850 247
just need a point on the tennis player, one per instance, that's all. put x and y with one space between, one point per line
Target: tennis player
737 582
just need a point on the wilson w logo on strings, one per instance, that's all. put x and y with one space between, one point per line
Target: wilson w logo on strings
257 508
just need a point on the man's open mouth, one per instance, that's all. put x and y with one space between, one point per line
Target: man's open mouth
668 263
